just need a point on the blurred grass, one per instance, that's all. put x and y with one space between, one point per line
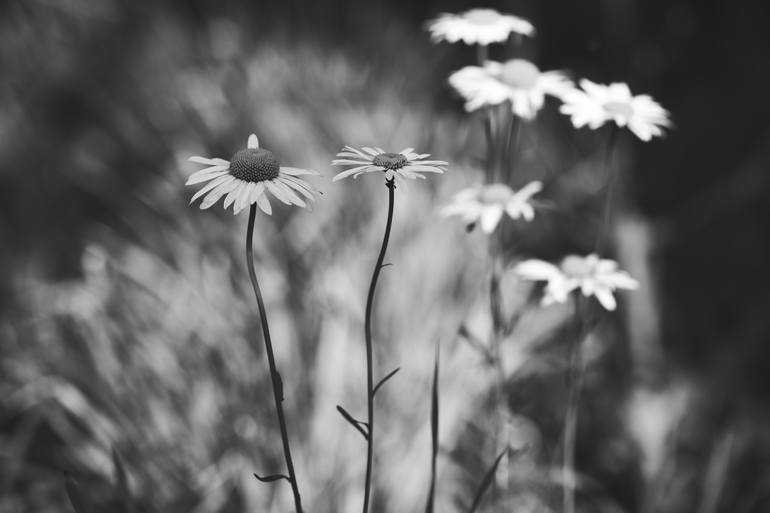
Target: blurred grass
127 318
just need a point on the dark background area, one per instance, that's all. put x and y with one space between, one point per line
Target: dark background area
101 102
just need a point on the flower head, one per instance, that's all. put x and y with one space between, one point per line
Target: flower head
478 26
597 104
245 179
594 276
405 164
518 81
487 203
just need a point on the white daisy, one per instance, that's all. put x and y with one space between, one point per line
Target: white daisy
597 104
594 276
517 80
245 179
478 26
405 164
488 203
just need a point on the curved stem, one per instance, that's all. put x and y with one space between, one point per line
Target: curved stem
390 184
275 378
575 384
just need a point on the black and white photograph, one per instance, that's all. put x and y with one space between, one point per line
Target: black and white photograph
361 256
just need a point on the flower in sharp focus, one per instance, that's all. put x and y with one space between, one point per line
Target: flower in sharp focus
246 178
597 104
487 203
592 275
405 164
518 81
478 26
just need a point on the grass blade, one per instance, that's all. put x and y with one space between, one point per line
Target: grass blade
433 434
121 480
486 481
73 493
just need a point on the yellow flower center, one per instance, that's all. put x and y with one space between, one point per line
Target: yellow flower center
391 161
482 16
519 74
622 109
495 194
254 165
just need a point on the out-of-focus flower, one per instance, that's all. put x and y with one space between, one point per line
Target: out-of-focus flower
517 80
405 164
247 176
593 275
478 26
487 203
597 104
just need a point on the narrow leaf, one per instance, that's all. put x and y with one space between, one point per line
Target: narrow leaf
353 422
121 480
272 478
383 380
73 493
433 434
486 481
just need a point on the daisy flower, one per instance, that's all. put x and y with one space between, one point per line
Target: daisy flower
487 203
592 275
517 80
478 26
247 177
405 164
597 104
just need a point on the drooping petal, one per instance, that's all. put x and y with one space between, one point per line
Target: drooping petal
490 217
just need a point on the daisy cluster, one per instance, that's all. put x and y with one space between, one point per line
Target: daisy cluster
521 87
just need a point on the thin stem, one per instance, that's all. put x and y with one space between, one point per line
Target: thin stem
489 133
482 54
390 184
608 171
575 384
274 376
511 143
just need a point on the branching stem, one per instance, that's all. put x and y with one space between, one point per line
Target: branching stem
275 378
391 185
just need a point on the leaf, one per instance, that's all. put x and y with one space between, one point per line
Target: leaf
121 480
383 380
433 434
486 481
73 493
271 478
353 422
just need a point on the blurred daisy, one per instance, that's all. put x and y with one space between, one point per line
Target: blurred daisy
597 104
487 203
247 177
478 26
594 276
405 164
517 80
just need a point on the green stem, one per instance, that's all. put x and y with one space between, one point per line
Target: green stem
390 184
274 376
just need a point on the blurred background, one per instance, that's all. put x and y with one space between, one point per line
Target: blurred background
127 320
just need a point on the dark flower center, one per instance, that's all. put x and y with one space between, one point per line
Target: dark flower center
254 165
390 161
